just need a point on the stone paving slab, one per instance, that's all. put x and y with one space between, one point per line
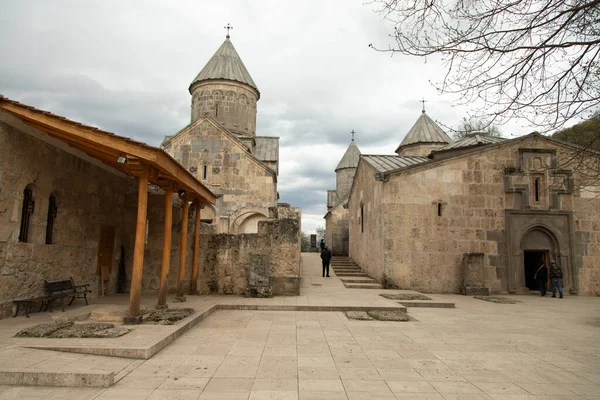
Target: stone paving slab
538 349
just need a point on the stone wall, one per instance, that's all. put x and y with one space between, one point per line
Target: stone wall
225 258
336 231
87 197
231 104
366 244
435 214
245 186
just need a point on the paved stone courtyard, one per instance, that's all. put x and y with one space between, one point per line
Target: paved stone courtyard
540 348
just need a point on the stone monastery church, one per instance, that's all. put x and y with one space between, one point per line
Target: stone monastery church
477 215
221 148
197 215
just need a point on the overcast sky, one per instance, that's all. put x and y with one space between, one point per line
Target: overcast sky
125 66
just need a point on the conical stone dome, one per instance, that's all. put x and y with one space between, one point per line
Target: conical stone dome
425 130
225 64
346 169
225 91
350 158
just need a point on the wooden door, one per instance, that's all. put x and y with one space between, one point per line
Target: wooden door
106 246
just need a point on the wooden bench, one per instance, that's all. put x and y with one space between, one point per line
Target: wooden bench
67 288
45 303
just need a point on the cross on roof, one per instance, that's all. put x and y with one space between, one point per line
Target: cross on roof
353 134
423 101
228 27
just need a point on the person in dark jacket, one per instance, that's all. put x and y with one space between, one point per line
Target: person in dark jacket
326 257
541 277
556 276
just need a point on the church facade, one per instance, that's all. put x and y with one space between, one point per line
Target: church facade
221 148
336 219
477 214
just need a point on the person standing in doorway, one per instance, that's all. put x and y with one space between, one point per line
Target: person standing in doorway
541 277
556 276
326 257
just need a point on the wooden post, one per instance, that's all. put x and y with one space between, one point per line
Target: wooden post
138 251
183 249
166 257
194 282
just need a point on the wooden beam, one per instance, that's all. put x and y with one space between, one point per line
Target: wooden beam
90 137
138 251
194 281
183 248
166 256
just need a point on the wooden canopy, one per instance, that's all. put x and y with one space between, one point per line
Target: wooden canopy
121 153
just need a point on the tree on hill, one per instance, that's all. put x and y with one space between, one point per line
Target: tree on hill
535 59
469 127
585 134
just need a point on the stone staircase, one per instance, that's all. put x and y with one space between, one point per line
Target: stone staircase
351 275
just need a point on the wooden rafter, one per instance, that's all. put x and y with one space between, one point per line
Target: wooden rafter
106 147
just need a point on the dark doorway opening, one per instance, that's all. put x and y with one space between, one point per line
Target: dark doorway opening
532 260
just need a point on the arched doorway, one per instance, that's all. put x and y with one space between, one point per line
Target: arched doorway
548 232
538 246
248 222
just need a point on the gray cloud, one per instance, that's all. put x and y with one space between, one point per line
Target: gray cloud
126 66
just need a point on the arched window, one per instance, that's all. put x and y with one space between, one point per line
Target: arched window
439 209
204 172
52 212
26 213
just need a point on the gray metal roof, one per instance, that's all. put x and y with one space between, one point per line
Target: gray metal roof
267 148
350 158
472 140
385 163
226 64
425 130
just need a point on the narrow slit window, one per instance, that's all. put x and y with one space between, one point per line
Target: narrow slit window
26 213
204 172
362 218
439 209
537 189
52 212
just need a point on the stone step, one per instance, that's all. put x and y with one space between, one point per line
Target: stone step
352 279
347 270
363 285
340 274
48 377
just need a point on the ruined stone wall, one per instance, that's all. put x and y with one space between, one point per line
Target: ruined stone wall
344 178
224 259
87 197
231 104
336 231
244 184
366 245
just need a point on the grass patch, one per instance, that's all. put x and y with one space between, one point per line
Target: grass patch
405 296
497 299
389 315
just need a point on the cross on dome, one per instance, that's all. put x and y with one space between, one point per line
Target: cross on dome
228 27
423 101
